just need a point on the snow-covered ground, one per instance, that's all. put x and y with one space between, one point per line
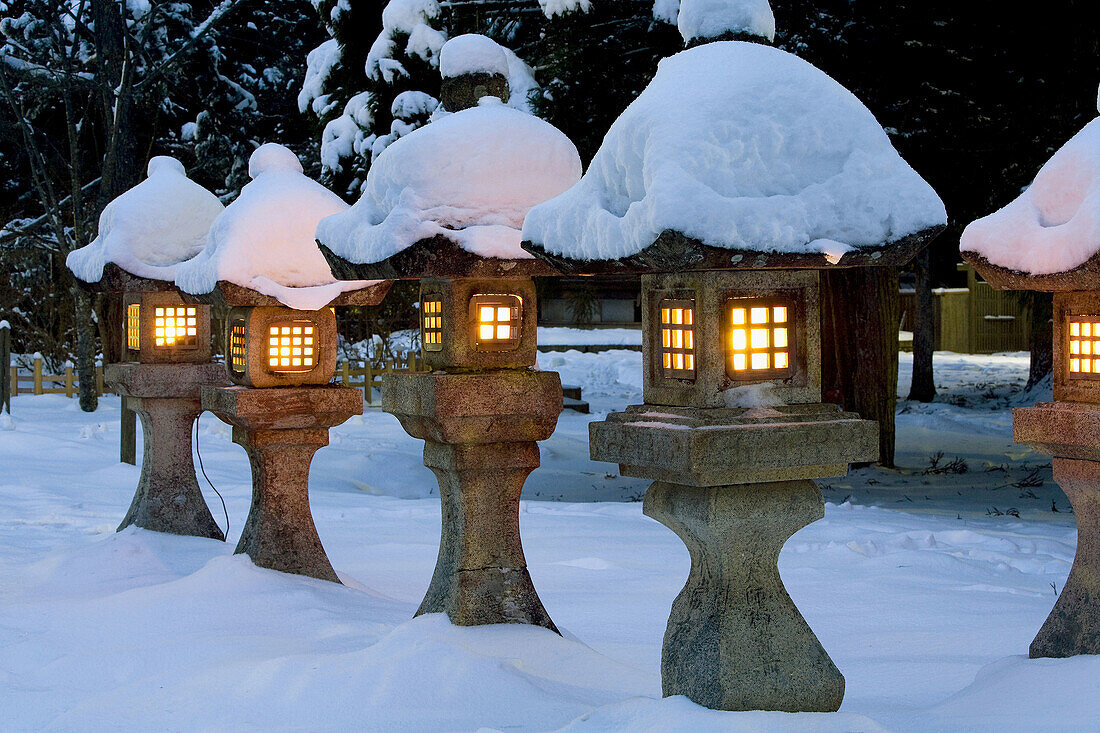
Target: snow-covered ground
925 597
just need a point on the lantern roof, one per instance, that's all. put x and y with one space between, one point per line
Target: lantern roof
148 230
261 249
449 198
1048 238
739 156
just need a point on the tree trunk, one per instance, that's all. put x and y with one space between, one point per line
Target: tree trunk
85 349
923 388
1041 337
860 319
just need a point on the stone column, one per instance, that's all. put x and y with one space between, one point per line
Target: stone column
167 399
735 639
1073 627
479 432
281 428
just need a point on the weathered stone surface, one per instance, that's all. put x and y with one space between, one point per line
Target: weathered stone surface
1067 305
479 432
232 295
1073 627
462 92
281 429
719 446
735 639
166 398
1083 277
1065 429
256 322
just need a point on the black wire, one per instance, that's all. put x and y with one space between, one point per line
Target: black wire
203 469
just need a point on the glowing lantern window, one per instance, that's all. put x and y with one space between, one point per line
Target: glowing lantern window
291 346
678 338
496 320
1084 347
238 347
758 339
175 327
431 319
133 327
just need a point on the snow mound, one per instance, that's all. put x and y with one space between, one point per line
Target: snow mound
151 228
678 713
472 53
470 176
1054 225
703 19
264 239
742 146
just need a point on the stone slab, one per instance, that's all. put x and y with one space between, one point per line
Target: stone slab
283 408
484 407
132 379
721 446
1066 429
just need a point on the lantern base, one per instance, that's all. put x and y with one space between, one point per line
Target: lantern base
280 429
735 639
167 399
479 432
1073 626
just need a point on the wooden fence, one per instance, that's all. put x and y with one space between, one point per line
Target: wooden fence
37 381
362 374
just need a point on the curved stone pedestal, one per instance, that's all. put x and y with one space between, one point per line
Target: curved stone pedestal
1073 626
735 639
281 428
1070 431
479 432
167 399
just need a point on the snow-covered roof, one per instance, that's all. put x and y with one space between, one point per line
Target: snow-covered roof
1054 225
711 19
739 146
264 241
472 53
470 177
151 228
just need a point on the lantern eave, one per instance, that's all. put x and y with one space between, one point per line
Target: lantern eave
230 294
1085 276
673 251
437 257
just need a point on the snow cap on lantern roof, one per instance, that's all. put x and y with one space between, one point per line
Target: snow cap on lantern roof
261 249
448 199
739 156
472 53
1048 238
708 20
147 231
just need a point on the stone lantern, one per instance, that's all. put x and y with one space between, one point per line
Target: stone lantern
472 174
1047 240
143 235
263 265
728 245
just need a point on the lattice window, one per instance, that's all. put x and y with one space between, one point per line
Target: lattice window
758 338
1083 361
431 314
133 327
496 321
678 338
238 347
291 346
175 327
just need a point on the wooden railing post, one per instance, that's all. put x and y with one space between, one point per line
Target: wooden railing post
69 379
368 378
127 442
37 374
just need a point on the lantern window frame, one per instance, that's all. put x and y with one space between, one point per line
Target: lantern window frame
163 315
431 322
238 346
285 331
668 330
770 327
1086 345
498 302
133 326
